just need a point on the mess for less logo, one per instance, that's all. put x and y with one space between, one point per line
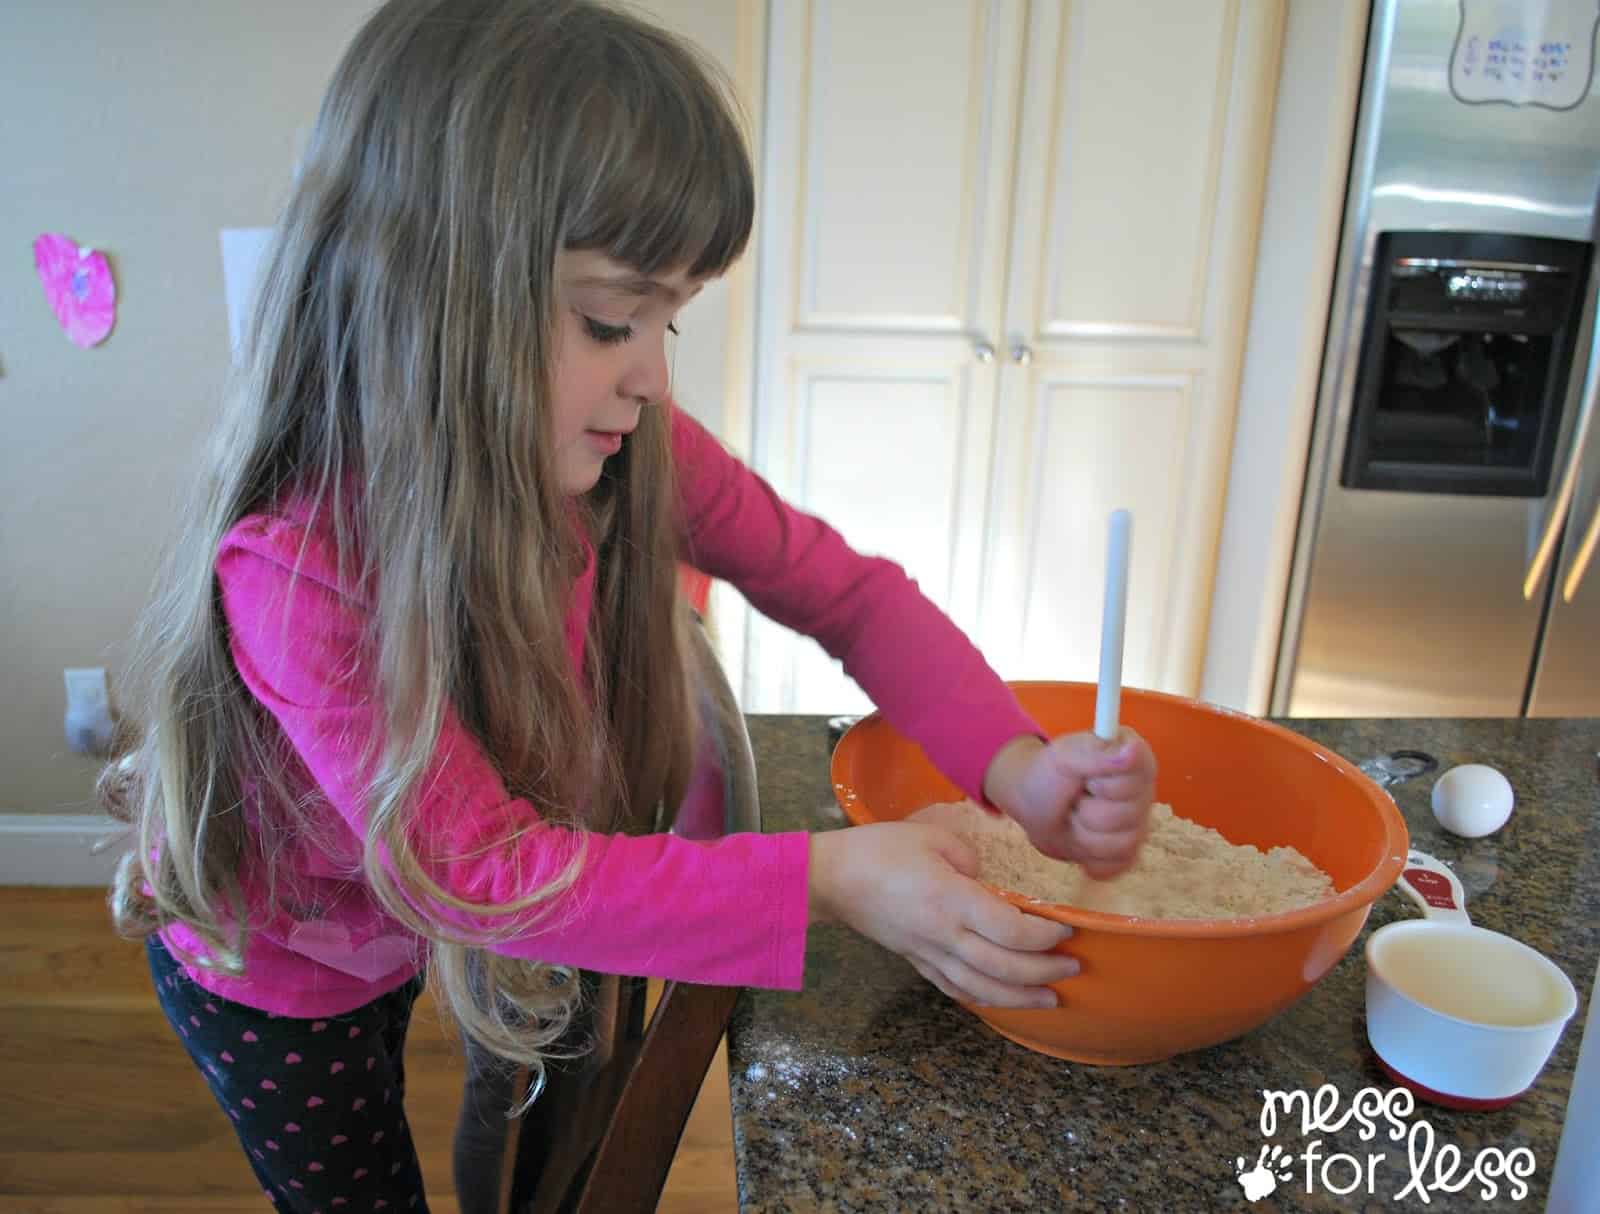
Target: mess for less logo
1428 1167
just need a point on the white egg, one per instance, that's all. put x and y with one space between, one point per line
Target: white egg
1472 800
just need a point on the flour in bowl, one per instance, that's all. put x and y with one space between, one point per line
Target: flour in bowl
1183 871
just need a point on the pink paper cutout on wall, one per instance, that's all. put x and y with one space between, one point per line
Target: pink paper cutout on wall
79 286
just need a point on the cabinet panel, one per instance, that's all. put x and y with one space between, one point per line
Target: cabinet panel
1139 133
1096 442
895 137
882 456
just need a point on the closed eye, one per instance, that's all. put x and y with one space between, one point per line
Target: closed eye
607 335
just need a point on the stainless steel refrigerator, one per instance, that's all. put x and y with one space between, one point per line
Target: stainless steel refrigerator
1446 561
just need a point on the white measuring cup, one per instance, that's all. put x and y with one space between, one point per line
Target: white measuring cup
1463 1016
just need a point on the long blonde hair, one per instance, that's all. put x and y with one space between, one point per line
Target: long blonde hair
397 376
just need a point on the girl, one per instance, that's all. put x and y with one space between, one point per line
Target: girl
413 694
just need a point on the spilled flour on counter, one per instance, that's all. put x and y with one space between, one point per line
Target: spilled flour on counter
1183 871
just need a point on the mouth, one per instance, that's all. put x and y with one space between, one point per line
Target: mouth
607 442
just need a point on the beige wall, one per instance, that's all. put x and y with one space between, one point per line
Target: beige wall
143 129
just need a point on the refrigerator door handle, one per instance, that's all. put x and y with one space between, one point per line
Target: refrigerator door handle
1580 563
1569 479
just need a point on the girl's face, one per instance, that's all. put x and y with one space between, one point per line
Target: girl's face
611 357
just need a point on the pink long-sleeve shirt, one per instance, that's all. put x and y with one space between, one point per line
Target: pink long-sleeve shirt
730 911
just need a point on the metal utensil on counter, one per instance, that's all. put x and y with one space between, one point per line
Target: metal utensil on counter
1463 1016
1398 766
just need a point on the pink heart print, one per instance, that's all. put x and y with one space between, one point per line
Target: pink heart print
291 1058
78 287
249 1035
378 956
313 1102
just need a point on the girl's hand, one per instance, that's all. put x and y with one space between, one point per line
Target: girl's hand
909 886
1079 797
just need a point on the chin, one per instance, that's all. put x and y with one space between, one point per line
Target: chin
576 484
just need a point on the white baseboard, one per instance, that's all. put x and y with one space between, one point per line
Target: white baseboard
56 849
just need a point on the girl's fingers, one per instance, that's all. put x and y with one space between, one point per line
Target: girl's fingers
938 980
1086 755
1128 786
1013 968
1097 816
1083 755
997 920
1089 845
976 987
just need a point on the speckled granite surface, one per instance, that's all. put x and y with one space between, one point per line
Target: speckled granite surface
870 1091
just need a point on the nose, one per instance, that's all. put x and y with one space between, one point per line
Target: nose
648 377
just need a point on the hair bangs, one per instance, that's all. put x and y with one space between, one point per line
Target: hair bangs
669 182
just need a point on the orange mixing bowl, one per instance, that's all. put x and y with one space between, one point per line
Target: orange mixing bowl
1152 988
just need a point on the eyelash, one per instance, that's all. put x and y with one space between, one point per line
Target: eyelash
611 335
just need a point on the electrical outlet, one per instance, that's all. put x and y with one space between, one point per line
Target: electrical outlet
88 721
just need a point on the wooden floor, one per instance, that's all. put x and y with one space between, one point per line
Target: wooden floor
101 1111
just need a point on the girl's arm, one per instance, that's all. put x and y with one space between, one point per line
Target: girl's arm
731 912
921 671
1076 797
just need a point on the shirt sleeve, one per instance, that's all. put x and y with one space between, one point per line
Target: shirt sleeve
732 911
927 678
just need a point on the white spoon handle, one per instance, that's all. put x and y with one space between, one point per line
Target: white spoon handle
1108 701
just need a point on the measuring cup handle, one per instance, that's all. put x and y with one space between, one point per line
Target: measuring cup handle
1434 888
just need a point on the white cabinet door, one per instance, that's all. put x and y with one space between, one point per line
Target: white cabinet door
887 178
1076 185
1140 165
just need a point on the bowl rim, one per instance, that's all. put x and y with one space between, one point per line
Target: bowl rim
1359 897
1379 971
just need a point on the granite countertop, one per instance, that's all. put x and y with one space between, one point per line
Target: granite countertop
870 1091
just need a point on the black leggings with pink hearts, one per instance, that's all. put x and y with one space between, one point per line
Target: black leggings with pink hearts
317 1104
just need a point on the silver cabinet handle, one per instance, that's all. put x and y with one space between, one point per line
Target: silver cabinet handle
1021 354
1569 480
983 351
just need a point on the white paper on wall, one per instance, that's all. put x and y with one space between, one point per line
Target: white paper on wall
243 250
1525 52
